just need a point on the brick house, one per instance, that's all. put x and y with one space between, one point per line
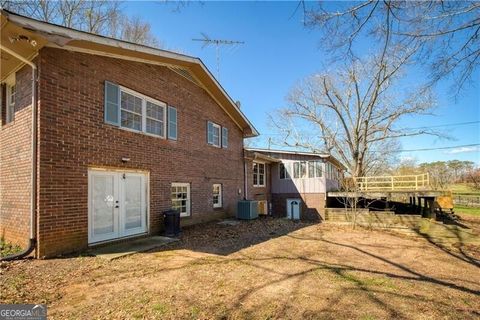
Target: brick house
120 133
291 184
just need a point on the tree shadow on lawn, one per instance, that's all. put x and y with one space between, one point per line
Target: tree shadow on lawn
344 272
224 239
455 235
231 240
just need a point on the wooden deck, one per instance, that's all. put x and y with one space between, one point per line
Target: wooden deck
393 183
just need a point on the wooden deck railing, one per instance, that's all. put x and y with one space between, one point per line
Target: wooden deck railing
393 183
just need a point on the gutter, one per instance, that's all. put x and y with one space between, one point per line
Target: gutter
33 196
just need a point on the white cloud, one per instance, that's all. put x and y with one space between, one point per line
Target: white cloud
463 150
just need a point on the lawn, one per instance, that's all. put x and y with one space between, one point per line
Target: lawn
467 210
7 248
264 269
464 188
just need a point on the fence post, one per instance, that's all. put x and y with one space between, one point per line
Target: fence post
416 182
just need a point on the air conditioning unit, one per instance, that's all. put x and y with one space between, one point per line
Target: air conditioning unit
247 210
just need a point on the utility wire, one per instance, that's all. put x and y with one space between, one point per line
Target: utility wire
431 149
412 128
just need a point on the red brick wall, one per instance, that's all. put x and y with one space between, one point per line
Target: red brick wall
313 205
74 137
15 163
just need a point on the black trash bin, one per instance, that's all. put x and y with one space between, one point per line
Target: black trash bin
171 219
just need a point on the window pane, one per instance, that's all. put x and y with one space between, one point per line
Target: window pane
131 103
296 170
261 180
261 168
311 170
154 111
303 169
282 170
131 120
216 136
318 169
155 127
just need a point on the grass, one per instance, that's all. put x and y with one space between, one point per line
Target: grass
467 210
303 271
7 248
464 189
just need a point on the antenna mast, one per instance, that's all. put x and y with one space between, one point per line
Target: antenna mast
217 43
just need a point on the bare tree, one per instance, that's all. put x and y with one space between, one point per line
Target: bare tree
353 112
446 33
103 17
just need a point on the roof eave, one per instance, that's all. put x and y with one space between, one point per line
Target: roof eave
62 36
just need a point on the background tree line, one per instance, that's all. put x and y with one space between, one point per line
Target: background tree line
442 173
103 17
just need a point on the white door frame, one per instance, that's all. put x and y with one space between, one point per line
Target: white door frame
290 216
119 222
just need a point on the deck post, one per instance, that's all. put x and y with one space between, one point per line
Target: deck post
431 212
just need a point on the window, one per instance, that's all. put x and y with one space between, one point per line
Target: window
155 118
299 169
129 109
258 174
284 174
180 194
11 91
224 137
213 134
314 169
217 195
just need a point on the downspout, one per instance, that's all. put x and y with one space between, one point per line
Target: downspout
33 196
245 181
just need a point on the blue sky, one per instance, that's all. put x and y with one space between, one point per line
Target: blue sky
278 52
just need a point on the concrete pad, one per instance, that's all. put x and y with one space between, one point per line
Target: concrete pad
115 251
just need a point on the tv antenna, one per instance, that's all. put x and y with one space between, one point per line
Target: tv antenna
217 43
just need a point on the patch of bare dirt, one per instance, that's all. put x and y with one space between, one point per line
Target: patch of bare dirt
268 268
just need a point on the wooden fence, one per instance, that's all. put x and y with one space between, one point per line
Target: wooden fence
467 200
394 183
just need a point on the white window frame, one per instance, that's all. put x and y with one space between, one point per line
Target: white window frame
258 185
188 213
287 173
144 112
300 167
214 125
219 204
10 107
315 163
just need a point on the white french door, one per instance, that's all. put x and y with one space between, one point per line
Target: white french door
117 204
